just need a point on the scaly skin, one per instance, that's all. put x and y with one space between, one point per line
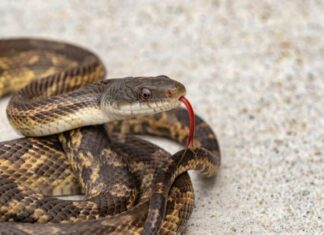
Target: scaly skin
130 185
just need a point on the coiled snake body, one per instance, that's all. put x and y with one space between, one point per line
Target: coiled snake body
78 141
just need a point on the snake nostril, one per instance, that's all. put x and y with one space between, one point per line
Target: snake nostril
181 90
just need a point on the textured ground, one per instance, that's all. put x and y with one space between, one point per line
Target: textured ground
253 69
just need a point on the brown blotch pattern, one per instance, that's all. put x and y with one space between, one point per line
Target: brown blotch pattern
130 185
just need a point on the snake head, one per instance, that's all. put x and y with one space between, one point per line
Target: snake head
132 96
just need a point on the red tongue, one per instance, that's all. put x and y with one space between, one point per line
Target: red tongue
191 119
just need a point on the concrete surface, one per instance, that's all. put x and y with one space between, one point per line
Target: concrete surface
253 69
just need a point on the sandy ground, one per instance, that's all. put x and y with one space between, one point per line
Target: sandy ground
253 69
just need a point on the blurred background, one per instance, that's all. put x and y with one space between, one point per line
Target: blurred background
254 70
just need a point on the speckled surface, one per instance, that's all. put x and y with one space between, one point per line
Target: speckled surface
253 69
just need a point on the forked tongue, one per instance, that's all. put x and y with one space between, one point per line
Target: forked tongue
191 115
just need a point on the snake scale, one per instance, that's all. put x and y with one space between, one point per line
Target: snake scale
80 139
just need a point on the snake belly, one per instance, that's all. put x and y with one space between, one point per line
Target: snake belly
130 186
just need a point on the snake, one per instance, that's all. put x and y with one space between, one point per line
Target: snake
81 137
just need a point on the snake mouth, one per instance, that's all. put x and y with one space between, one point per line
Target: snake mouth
146 108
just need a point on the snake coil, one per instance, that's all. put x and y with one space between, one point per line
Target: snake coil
87 146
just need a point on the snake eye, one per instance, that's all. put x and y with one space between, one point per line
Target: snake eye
145 93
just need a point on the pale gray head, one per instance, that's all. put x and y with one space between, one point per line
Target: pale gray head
134 96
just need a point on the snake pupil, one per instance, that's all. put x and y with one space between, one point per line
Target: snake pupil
146 93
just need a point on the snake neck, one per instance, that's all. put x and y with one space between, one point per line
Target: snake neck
58 113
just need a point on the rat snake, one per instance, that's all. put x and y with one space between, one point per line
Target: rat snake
87 146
